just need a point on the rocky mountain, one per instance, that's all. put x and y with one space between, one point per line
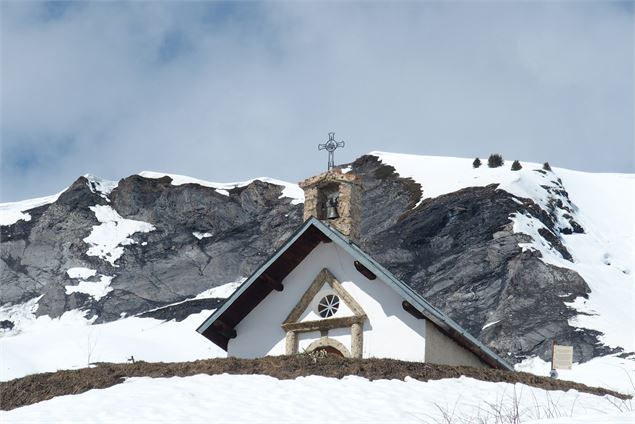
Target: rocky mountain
493 253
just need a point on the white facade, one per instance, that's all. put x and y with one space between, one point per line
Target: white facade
388 330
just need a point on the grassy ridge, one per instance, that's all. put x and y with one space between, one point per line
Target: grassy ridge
39 387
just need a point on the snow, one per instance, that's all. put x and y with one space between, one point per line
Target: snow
96 289
79 272
107 239
200 235
529 225
263 399
289 190
610 372
100 186
221 292
12 212
490 324
72 342
71 339
443 175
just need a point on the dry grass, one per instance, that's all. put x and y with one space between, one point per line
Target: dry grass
39 387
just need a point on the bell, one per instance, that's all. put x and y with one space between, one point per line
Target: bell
331 212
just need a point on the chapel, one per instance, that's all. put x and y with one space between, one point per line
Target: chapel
321 292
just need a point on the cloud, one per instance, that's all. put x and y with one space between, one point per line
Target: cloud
230 91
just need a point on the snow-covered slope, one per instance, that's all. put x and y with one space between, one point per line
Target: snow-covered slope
12 212
603 204
262 399
73 341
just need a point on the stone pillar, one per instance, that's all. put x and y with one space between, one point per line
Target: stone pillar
310 202
357 340
291 346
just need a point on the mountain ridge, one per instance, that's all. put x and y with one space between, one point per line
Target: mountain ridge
475 252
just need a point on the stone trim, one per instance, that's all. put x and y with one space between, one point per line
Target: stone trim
355 322
323 324
327 341
324 276
334 175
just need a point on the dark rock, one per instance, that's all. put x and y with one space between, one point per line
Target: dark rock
183 309
5 324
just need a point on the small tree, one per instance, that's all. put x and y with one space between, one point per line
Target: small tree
476 163
546 166
495 160
516 166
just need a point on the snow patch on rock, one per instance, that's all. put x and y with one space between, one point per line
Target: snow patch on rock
489 324
222 292
95 289
107 239
200 235
529 225
100 186
18 315
79 272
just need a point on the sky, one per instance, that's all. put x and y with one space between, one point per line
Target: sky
228 91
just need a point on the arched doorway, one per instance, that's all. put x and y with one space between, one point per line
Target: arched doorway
328 351
331 346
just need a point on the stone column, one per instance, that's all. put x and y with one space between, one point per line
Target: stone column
357 340
291 347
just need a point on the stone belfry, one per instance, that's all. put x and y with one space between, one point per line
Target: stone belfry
335 197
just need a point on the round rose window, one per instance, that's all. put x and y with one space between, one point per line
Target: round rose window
327 307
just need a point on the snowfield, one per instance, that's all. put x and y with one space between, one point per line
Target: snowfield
73 341
262 399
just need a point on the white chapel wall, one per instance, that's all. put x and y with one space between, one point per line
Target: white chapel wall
389 332
441 349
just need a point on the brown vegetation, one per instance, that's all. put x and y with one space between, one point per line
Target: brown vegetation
39 387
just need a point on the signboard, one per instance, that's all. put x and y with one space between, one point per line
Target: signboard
562 357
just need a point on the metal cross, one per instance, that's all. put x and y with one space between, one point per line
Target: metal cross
330 146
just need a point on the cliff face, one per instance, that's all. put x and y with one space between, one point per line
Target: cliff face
149 243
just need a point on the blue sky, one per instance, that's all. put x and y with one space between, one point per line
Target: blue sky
231 91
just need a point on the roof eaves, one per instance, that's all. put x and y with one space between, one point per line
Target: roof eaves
241 289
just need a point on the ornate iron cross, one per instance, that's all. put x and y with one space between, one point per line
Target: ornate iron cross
330 146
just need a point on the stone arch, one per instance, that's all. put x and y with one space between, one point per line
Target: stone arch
328 342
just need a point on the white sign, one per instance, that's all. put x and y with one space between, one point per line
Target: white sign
562 357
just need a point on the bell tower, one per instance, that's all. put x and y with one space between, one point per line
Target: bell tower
334 197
